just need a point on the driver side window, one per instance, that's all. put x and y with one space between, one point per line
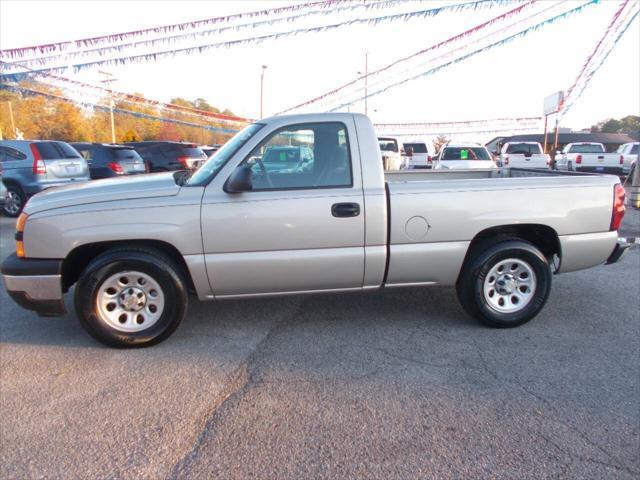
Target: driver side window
302 157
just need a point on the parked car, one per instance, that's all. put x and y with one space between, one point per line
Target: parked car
286 159
391 154
417 155
31 166
209 150
107 160
588 157
629 156
3 189
162 156
523 155
463 156
134 247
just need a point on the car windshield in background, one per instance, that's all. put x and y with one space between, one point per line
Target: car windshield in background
524 148
586 149
388 145
416 147
211 168
56 150
465 153
125 154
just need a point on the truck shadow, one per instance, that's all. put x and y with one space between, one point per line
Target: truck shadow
353 312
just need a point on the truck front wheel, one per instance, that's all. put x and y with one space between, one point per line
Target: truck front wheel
132 297
505 284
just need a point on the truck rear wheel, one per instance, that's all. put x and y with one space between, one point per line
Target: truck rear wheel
505 284
131 297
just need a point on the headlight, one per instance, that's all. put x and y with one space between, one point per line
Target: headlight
22 220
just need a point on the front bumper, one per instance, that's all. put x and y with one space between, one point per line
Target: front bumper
35 284
619 250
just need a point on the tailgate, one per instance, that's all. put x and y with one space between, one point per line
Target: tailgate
600 159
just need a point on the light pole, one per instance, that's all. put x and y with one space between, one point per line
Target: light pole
108 79
264 67
366 74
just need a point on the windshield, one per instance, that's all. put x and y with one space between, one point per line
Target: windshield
587 148
465 153
388 144
526 149
212 166
416 147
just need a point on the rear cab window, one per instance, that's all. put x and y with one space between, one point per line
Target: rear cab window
526 149
416 147
586 148
388 144
465 153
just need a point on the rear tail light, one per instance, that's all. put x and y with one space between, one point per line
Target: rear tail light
429 159
578 158
618 207
184 161
38 167
506 159
621 159
115 167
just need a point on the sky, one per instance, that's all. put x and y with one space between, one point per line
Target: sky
508 81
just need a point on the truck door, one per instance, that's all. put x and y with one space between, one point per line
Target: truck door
301 227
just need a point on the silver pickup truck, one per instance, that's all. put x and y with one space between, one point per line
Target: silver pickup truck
332 221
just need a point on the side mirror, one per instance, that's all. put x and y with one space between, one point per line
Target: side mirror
558 152
240 180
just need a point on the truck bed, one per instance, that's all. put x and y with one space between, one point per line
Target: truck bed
435 214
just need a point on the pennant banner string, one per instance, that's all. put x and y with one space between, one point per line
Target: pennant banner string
153 56
501 42
409 57
192 35
567 106
84 42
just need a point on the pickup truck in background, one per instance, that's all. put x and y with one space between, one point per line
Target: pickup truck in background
241 227
588 157
417 156
463 156
392 158
629 156
523 155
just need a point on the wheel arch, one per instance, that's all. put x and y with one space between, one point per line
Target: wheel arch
78 259
543 237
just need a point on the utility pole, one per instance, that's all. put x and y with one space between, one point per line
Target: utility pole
108 79
264 67
13 125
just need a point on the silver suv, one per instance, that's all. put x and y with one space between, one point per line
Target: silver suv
30 166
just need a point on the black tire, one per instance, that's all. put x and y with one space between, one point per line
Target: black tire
470 285
12 207
151 262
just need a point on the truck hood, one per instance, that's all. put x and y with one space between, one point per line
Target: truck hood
107 190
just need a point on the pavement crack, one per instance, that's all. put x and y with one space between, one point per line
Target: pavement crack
241 381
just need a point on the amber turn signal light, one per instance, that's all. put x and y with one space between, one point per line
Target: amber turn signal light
22 220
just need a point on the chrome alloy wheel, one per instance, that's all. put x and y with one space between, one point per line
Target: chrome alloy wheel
12 202
509 286
130 301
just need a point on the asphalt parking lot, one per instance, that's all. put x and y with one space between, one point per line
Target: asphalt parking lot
393 384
